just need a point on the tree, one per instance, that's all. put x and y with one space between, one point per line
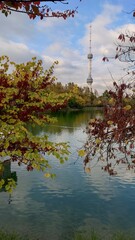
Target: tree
35 8
111 140
25 98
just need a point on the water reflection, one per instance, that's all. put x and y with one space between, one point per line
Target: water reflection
68 120
74 201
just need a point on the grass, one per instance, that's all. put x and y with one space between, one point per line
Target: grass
11 236
95 236
77 236
121 236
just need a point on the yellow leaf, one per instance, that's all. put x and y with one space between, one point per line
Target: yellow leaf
111 100
127 107
92 120
110 122
2 183
126 100
25 161
24 129
47 175
81 153
6 145
87 170
98 141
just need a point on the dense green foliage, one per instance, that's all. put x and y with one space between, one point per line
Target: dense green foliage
80 96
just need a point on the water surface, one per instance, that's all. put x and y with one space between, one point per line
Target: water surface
73 201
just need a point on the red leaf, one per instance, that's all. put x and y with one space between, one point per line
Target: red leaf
37 3
35 9
105 59
122 37
27 7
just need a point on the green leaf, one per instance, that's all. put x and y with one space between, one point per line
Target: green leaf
81 153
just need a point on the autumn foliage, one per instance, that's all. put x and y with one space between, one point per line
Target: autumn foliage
25 98
111 140
35 8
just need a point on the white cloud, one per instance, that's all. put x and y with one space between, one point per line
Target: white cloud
104 38
50 23
18 52
74 64
56 39
16 27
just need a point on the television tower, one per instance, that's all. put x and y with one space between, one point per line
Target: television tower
90 57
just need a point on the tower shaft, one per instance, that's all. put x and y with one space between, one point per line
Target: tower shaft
90 57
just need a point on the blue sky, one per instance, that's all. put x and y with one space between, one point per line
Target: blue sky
68 40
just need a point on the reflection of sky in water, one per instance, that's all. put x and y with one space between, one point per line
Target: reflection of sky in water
73 201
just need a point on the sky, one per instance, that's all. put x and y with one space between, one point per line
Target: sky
68 40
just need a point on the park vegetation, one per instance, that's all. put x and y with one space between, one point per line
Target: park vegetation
25 98
111 140
28 96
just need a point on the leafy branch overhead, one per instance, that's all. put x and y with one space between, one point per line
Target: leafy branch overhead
36 8
125 48
111 140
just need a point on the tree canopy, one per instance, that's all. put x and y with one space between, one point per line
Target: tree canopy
25 98
35 8
112 139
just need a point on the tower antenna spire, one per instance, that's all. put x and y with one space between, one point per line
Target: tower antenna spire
90 57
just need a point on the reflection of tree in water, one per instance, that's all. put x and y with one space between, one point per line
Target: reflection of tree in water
5 173
68 120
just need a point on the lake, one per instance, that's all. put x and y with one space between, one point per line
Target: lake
53 209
